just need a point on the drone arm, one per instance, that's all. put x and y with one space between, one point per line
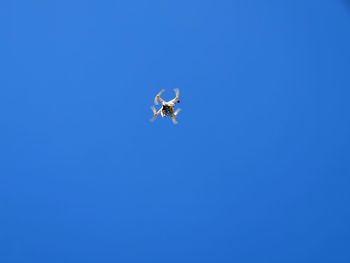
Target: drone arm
177 96
155 113
158 98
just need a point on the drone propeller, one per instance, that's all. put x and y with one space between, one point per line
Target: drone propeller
158 96
173 118
177 92
177 112
153 109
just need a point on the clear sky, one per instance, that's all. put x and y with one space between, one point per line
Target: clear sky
257 170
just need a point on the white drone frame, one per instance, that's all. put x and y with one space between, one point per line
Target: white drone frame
170 104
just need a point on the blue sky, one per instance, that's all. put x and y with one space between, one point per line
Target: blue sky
256 171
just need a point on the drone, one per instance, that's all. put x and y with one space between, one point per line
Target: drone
167 109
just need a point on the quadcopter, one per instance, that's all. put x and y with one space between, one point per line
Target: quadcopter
167 109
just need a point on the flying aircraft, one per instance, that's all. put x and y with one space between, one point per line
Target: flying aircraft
167 109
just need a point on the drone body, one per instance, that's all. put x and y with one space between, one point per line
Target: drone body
168 107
